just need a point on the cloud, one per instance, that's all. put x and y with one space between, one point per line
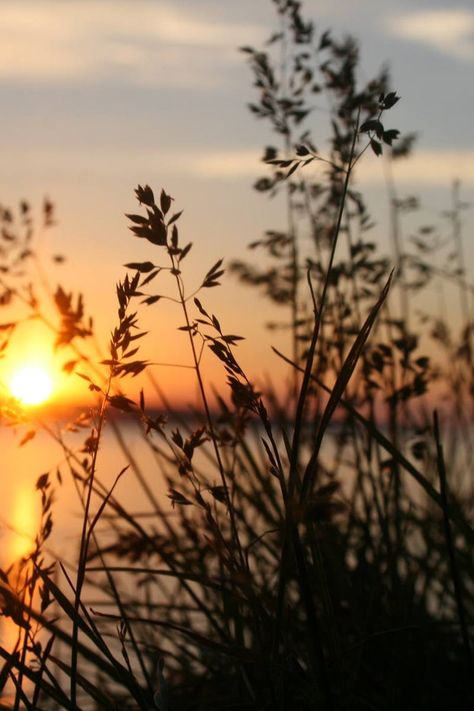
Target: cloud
426 168
229 164
139 41
448 31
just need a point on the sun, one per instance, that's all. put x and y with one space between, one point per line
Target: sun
31 384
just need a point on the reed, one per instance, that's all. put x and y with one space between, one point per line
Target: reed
316 548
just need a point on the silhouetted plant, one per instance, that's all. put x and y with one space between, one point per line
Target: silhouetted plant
316 549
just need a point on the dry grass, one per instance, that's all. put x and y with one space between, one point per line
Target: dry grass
319 549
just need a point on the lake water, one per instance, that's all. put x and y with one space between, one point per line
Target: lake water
22 465
20 502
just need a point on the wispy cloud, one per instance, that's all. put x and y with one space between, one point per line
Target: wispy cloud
448 31
139 41
229 164
426 168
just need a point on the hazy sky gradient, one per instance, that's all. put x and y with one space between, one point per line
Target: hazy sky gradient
98 95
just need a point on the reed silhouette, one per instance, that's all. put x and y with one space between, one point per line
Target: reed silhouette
316 552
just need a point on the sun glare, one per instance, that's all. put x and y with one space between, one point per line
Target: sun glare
31 385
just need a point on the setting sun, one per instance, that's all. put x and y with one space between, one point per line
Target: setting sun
31 384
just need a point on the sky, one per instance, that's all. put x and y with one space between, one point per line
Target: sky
100 95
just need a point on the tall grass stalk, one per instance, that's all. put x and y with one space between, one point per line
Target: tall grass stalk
308 554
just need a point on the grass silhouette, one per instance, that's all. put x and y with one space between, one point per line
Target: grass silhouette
317 550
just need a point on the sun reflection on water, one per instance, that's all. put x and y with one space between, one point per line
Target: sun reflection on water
23 522
21 526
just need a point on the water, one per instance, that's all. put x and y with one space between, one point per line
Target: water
22 465
20 502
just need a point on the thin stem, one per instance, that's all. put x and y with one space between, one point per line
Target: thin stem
318 318
207 410
84 543
458 592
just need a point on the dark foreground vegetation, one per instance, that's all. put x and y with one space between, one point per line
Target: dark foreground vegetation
318 550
